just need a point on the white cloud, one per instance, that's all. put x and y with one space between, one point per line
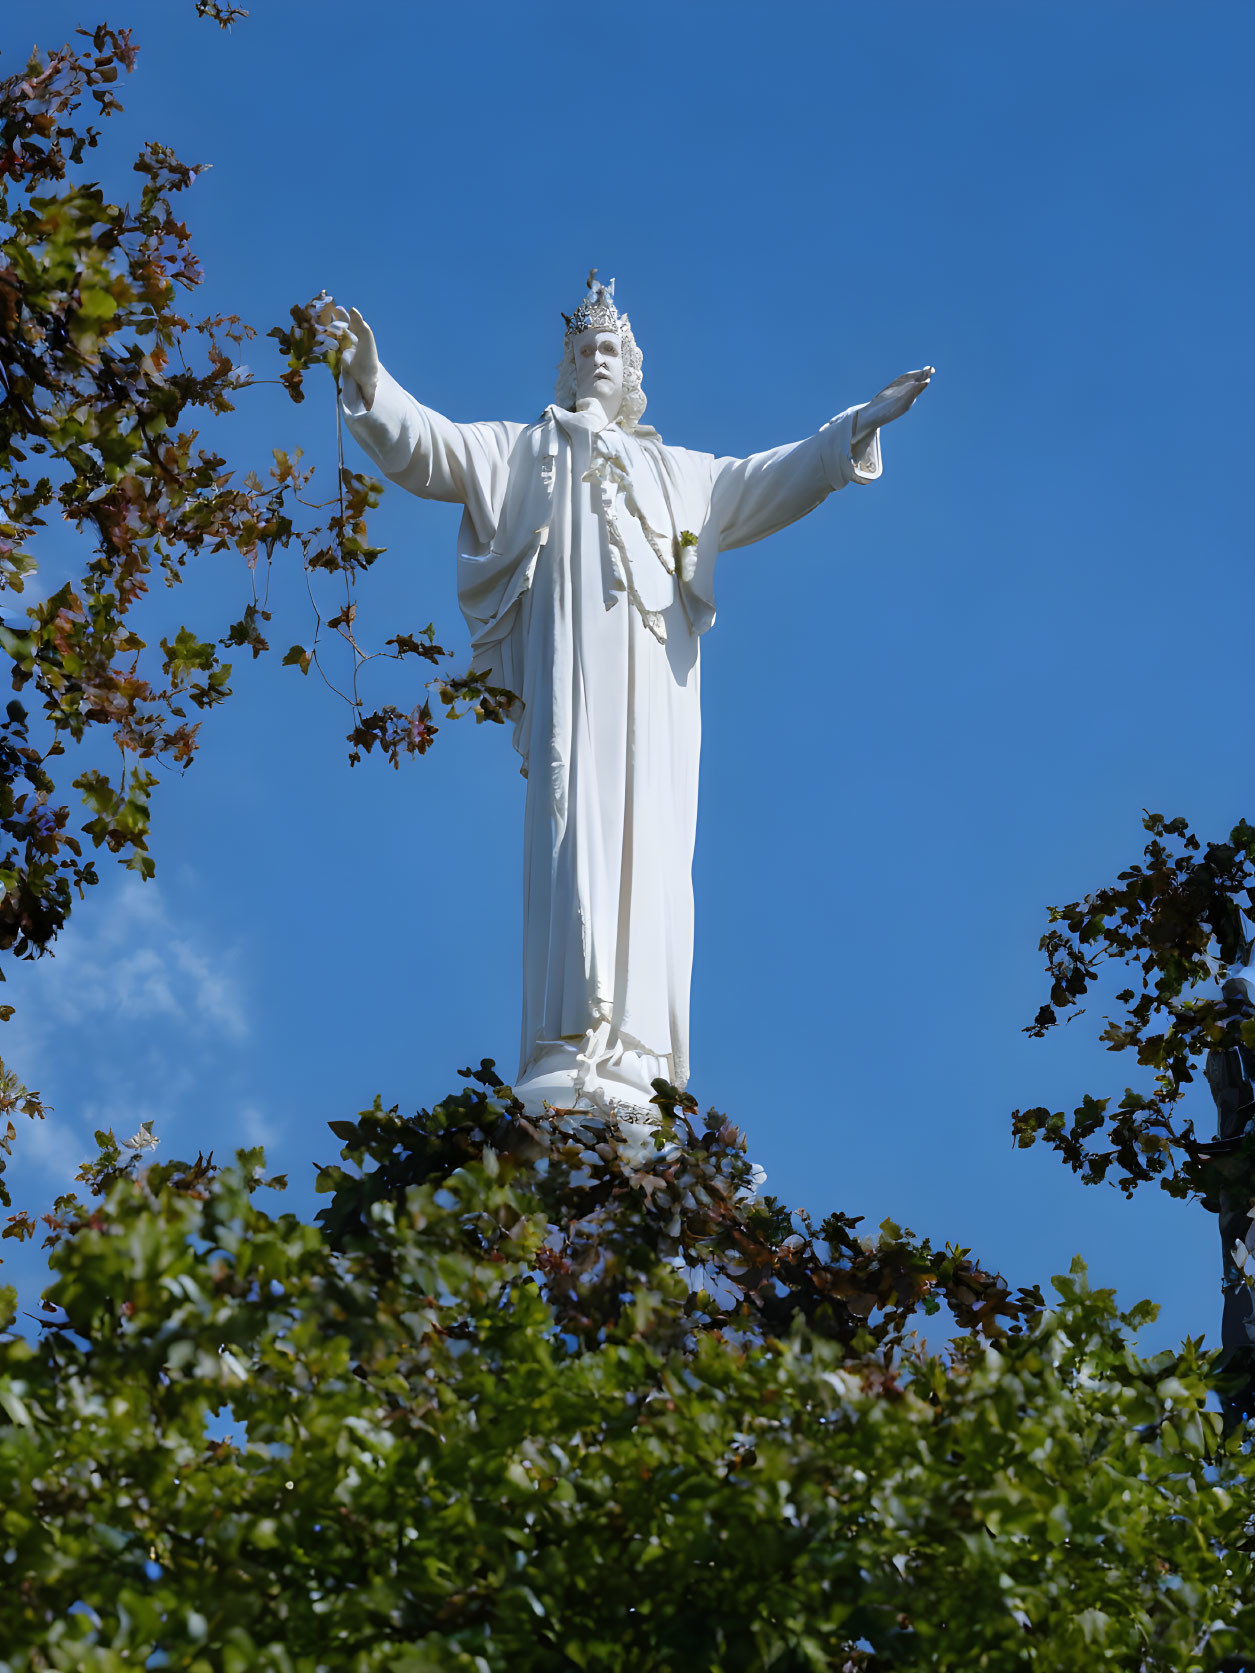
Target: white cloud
128 1023
47 1145
123 958
255 1128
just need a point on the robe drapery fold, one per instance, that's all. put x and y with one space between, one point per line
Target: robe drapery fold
581 599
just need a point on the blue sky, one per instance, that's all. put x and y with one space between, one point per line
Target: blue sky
931 709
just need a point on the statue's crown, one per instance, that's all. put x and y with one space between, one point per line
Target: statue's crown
597 312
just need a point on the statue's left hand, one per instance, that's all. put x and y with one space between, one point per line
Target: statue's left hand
893 400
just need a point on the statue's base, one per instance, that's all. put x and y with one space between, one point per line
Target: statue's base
556 1085
560 1082
558 1091
564 1072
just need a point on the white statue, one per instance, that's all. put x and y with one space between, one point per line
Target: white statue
586 571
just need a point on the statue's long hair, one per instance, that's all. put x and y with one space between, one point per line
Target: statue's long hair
633 408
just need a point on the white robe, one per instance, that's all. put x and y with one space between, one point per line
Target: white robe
580 599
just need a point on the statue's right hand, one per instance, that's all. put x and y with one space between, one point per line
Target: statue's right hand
892 401
360 359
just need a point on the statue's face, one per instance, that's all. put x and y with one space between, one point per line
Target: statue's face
599 369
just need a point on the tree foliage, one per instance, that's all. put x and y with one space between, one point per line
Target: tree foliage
108 386
534 1396
1181 925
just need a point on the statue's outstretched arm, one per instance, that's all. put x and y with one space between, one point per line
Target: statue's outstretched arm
419 449
753 497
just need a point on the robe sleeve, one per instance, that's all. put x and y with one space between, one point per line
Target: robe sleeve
752 498
429 455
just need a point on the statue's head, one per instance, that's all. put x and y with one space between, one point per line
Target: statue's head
600 359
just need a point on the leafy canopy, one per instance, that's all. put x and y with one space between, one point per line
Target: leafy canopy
529 1398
